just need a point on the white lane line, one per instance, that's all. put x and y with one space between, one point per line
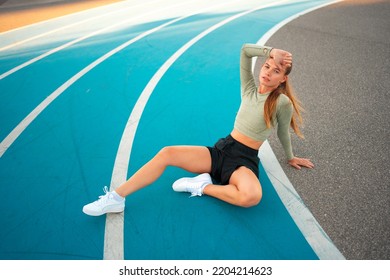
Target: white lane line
57 18
310 228
131 19
15 133
21 42
113 243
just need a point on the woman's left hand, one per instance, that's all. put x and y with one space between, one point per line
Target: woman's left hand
298 162
282 58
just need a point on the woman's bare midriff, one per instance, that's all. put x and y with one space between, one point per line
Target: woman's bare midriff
247 141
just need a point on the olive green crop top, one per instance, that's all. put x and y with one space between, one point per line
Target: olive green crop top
250 117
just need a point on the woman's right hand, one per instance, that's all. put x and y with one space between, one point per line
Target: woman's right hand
298 162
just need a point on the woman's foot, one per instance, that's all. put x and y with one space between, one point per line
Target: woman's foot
111 202
193 185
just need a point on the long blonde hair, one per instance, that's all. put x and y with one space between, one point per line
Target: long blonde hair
270 105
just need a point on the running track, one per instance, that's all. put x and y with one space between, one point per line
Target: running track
88 98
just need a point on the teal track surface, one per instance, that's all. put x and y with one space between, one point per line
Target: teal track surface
64 157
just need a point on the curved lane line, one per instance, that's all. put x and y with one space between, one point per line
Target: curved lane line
309 226
113 238
59 17
68 26
33 60
15 133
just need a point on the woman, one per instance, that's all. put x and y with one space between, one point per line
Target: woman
233 161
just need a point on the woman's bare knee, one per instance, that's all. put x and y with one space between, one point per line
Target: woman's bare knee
165 155
248 186
249 199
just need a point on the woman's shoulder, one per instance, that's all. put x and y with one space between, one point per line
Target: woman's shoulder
284 105
283 100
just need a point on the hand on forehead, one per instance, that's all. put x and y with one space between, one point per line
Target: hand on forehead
282 59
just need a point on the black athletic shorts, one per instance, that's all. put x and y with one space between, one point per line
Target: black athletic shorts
227 155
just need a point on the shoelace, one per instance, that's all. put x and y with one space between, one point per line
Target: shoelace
196 191
103 198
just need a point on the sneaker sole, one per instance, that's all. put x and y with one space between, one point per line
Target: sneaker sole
111 210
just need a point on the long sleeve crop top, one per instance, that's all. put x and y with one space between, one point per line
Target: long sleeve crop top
250 117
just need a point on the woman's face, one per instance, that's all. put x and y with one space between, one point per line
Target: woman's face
272 74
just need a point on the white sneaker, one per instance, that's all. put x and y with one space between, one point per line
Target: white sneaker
193 185
105 204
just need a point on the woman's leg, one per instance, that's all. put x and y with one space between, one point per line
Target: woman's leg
195 159
244 189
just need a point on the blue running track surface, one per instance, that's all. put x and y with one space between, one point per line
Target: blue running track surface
70 100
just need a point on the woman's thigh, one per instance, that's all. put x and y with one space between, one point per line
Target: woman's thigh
195 159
